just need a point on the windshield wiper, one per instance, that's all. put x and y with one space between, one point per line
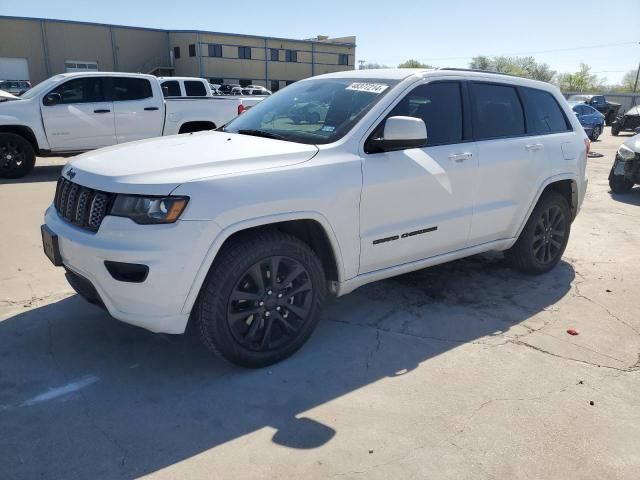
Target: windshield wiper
262 133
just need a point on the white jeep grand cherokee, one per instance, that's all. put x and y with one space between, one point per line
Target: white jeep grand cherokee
244 230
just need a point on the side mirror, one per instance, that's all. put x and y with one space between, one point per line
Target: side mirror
401 133
52 99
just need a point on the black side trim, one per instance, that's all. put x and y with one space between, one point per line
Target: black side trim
419 232
387 239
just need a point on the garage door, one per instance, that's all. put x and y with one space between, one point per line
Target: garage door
14 69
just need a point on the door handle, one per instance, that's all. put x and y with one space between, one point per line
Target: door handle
150 109
534 147
101 111
460 157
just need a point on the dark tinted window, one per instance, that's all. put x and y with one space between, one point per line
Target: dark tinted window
82 90
195 89
131 88
580 109
215 50
173 88
343 59
244 52
275 85
176 52
544 113
291 56
245 83
439 105
275 54
590 110
598 100
498 112
192 49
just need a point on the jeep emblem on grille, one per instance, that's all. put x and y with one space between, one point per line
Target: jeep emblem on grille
71 173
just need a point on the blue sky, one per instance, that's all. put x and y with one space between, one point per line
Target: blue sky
438 32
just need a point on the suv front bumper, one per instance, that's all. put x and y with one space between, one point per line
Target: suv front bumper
173 253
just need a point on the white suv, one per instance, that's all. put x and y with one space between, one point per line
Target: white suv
243 231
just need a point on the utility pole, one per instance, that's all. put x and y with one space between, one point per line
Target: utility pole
362 62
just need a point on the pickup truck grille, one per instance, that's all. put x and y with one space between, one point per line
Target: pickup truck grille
81 206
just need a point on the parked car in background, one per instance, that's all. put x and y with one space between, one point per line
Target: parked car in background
310 112
245 231
15 87
228 87
591 119
256 91
236 91
215 89
600 103
4 96
76 112
175 87
627 122
625 172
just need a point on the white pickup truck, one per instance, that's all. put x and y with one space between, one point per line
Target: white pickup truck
76 112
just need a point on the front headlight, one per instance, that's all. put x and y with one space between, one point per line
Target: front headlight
625 153
149 210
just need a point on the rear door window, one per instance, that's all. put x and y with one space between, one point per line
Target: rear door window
195 89
439 105
543 112
128 88
497 111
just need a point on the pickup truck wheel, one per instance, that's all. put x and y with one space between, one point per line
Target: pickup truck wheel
615 129
261 300
618 183
544 237
17 156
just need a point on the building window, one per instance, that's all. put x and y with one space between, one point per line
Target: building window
275 85
192 49
343 59
245 83
292 56
216 81
290 82
215 50
76 66
275 54
244 52
176 52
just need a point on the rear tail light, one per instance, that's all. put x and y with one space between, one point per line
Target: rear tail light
241 109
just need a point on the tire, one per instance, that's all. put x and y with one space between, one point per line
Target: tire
254 326
618 183
17 156
544 238
595 133
615 129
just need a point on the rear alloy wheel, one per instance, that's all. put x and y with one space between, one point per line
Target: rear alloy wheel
544 238
17 156
262 299
595 133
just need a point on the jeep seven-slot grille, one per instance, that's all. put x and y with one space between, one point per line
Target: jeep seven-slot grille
81 206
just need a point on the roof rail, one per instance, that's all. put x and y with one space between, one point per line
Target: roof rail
457 69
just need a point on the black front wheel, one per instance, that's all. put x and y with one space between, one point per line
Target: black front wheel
595 133
17 156
262 299
544 238
618 183
615 129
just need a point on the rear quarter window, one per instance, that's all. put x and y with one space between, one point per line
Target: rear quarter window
195 89
544 114
497 111
173 88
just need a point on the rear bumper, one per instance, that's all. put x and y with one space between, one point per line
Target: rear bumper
172 252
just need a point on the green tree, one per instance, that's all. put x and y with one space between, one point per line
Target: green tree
520 66
411 63
581 81
372 65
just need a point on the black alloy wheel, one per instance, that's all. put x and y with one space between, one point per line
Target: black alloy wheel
549 235
270 304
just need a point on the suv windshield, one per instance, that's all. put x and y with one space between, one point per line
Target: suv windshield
312 111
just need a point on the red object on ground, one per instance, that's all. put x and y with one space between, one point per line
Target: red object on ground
572 331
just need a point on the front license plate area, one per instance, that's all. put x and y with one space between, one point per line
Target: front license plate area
50 245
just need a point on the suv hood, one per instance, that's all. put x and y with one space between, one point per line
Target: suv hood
157 166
